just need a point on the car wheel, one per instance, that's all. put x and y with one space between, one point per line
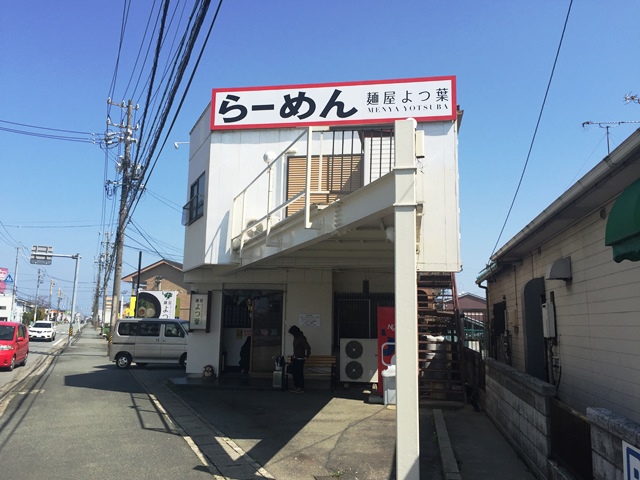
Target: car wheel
12 365
24 360
183 360
123 360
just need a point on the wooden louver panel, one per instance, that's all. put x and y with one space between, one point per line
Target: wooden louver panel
341 175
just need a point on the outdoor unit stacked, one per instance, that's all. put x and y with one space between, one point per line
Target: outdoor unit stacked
359 360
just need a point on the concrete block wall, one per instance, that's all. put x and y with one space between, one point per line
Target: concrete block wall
520 407
608 431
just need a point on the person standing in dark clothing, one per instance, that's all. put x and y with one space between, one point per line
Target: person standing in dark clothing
245 356
301 351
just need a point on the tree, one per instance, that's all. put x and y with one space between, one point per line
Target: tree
27 317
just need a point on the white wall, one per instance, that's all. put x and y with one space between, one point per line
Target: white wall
199 154
310 292
233 159
598 328
437 188
5 306
204 348
596 314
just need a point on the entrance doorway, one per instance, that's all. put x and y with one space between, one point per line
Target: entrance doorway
252 330
534 349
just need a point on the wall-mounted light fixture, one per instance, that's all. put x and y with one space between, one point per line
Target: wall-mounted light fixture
269 157
390 233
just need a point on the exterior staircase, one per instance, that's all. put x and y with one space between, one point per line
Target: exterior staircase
440 339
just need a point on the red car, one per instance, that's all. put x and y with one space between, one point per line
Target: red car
14 345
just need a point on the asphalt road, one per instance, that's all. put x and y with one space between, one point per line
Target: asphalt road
39 352
78 417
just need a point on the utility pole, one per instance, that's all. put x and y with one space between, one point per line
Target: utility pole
107 271
51 284
76 257
96 297
127 172
15 288
35 304
58 309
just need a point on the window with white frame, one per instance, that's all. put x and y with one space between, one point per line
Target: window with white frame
194 209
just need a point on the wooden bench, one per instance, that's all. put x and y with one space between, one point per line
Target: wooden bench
320 366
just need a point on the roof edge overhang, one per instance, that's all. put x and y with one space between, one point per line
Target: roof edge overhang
538 231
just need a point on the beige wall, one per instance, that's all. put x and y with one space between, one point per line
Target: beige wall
597 317
310 292
350 281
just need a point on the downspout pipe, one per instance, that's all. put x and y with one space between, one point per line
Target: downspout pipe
487 331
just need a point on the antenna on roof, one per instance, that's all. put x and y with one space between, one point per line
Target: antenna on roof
608 125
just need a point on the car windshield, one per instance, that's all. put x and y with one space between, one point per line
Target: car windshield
42 325
6 332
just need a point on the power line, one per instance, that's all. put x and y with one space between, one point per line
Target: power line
535 132
51 226
213 21
46 128
49 136
172 205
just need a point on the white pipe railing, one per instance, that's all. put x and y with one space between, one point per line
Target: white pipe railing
245 225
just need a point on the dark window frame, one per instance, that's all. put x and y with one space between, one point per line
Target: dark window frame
171 333
194 208
128 329
149 329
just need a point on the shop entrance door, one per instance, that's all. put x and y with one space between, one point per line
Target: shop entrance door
267 332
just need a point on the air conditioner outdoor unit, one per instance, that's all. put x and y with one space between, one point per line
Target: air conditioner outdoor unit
254 228
359 360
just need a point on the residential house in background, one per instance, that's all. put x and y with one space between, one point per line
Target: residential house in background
164 275
473 313
6 302
564 303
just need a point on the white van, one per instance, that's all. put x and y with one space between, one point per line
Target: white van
149 340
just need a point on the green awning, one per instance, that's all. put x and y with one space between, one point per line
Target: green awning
623 225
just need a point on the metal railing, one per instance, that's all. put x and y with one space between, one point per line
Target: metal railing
336 163
571 440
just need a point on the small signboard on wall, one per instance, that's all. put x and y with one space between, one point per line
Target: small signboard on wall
309 320
199 312
631 462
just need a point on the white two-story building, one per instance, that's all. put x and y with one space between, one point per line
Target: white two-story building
313 205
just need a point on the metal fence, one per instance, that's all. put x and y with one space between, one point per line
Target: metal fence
571 440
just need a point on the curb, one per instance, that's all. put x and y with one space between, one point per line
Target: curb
223 455
449 464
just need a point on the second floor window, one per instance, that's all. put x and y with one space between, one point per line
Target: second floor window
194 209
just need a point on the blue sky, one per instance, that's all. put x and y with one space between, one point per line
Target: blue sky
57 62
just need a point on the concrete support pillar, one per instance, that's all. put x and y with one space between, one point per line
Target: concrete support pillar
407 413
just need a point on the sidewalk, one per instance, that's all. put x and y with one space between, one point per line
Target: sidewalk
248 433
320 436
